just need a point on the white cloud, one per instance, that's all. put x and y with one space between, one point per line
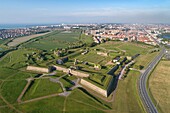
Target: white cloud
118 11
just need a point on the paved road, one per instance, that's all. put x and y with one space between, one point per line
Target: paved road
123 71
150 107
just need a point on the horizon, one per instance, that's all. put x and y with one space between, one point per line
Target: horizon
76 11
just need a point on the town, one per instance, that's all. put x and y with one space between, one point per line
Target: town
148 33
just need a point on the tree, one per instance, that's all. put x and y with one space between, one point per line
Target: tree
102 41
141 67
108 39
92 44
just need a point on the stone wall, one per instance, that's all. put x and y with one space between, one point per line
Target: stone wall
37 69
93 87
73 72
105 93
80 74
65 70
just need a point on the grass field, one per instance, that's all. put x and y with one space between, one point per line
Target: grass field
159 83
87 39
67 81
50 105
7 110
144 60
84 102
127 99
3 41
129 48
42 87
77 102
10 74
2 103
10 90
55 40
5 73
20 40
92 56
13 81
15 59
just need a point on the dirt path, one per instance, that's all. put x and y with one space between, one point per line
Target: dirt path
64 108
20 40
6 102
39 98
9 105
24 90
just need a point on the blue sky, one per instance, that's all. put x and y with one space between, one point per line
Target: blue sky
84 11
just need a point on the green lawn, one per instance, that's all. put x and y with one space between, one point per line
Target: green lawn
67 81
127 99
87 39
42 87
10 90
7 110
55 40
80 107
84 102
129 48
22 75
93 57
58 74
15 59
5 73
81 96
77 102
144 60
49 105
2 103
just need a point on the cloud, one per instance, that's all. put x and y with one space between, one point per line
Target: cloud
117 11
91 15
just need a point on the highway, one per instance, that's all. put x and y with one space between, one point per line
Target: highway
150 107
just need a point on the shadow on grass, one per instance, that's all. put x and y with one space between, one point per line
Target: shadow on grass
86 92
113 85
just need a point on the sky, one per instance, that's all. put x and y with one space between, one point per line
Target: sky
84 11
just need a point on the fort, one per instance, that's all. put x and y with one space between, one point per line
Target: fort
102 91
94 87
73 72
